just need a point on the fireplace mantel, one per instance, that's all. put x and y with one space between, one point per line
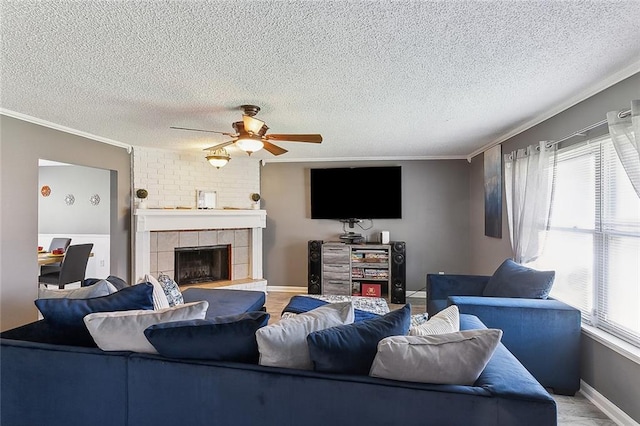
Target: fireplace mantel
148 220
170 220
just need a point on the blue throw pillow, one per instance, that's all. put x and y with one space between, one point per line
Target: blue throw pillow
223 338
514 280
67 314
351 348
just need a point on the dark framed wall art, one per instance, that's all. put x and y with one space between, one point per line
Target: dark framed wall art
493 192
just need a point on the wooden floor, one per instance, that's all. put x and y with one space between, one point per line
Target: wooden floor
572 411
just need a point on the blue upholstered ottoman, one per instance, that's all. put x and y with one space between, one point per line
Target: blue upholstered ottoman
226 302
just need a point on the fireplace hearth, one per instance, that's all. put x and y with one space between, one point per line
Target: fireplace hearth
202 264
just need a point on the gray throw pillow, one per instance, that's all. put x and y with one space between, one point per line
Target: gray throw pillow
514 280
99 289
453 358
284 343
124 330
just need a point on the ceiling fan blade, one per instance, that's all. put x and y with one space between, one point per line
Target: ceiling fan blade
220 145
274 149
295 138
252 125
201 130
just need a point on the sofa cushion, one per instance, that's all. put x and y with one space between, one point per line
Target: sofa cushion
66 314
445 321
224 338
124 331
454 358
99 289
284 344
171 290
225 301
350 348
514 280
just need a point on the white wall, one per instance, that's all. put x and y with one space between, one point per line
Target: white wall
81 217
172 178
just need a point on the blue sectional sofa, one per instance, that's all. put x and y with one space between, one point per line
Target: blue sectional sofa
544 334
49 384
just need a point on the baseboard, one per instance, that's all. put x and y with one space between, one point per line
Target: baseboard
416 294
606 406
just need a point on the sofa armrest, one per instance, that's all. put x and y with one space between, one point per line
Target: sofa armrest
441 286
544 334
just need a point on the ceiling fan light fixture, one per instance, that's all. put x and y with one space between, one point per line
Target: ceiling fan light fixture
251 136
252 125
219 158
249 144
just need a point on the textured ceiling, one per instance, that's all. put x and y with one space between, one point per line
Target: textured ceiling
377 79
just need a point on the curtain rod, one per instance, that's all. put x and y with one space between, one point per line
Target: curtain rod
582 132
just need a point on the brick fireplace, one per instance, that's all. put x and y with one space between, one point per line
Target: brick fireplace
160 231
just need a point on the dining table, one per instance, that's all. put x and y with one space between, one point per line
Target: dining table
46 258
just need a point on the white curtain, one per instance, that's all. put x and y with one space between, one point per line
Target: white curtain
529 180
625 133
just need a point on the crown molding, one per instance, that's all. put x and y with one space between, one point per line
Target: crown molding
45 123
592 90
333 160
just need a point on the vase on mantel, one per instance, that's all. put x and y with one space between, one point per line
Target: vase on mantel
255 197
142 194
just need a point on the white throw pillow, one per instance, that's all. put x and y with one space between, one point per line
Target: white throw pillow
445 321
284 343
160 300
454 358
99 289
124 330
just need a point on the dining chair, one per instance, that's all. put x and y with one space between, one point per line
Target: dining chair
56 243
73 269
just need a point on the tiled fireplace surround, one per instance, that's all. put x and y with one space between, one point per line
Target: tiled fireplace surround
164 242
159 231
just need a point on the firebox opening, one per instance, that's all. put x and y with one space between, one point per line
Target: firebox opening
202 264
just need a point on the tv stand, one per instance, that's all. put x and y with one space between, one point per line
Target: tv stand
344 268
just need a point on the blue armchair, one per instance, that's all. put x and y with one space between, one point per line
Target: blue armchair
543 333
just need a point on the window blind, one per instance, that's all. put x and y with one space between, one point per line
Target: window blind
593 242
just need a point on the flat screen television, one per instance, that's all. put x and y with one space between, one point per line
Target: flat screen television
356 193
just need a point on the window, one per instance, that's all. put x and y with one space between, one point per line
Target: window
594 239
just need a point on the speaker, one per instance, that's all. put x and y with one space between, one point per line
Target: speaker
314 282
398 272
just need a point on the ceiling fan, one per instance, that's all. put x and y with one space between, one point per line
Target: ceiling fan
251 134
